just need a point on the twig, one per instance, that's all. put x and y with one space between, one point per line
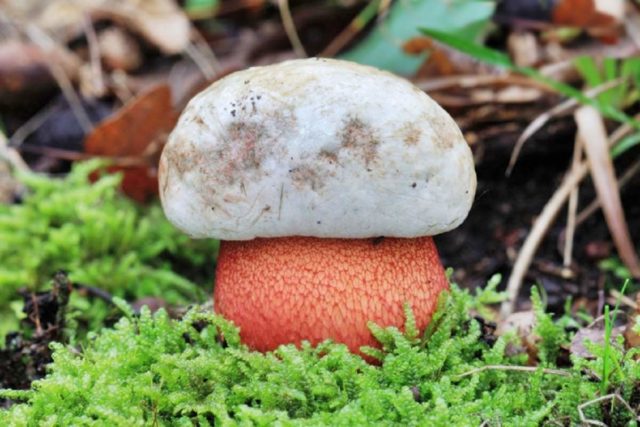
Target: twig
94 292
632 27
573 207
36 313
355 26
618 296
98 86
196 56
547 215
32 125
543 118
202 55
592 207
536 234
290 28
624 179
513 368
473 80
11 156
8 29
612 396
47 44
119 85
62 289
121 161
592 130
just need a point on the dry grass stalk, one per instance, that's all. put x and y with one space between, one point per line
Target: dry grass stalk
544 220
592 131
612 396
573 208
515 369
290 29
559 109
624 179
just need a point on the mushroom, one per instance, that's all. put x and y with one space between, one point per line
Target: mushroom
324 179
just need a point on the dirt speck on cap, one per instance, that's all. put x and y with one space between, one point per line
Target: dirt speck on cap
360 138
410 134
444 134
246 152
180 157
329 156
307 175
246 143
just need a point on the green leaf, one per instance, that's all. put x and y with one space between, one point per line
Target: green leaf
625 144
477 51
589 70
200 6
382 48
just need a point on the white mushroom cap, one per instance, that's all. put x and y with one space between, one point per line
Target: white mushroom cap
315 147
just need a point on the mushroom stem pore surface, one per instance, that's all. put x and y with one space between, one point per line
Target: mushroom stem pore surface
290 289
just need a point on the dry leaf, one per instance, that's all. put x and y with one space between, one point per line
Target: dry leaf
523 49
508 95
631 336
589 13
119 51
161 22
133 137
594 335
522 323
631 331
24 72
601 18
443 60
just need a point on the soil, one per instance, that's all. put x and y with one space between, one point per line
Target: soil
27 352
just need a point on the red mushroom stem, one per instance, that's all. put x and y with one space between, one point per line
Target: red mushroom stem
290 289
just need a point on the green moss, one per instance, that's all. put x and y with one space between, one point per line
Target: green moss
99 237
151 370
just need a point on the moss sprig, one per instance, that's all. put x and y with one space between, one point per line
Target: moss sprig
152 370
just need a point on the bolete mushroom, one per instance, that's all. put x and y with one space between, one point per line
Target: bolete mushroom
324 180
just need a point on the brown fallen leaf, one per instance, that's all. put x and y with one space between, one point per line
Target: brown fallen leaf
631 336
119 50
589 13
601 18
137 130
443 60
160 22
24 74
631 332
594 335
522 324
